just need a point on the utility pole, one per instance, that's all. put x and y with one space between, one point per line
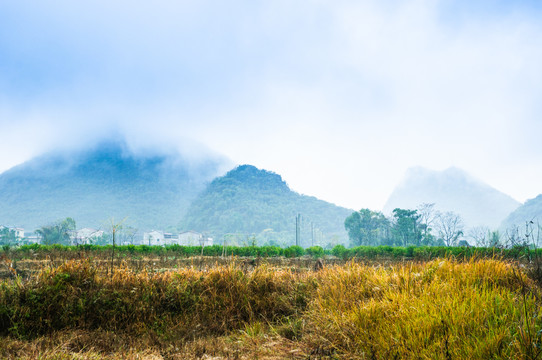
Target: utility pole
296 229
297 232
312 234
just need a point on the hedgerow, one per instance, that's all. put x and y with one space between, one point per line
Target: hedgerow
36 251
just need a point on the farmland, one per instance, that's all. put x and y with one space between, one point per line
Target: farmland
156 303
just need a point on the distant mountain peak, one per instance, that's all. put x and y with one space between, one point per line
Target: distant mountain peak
251 176
252 201
531 210
450 172
250 170
105 179
452 189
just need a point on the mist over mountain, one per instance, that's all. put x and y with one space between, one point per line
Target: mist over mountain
452 190
251 202
531 210
151 189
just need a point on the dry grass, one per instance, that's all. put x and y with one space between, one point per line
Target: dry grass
442 309
177 304
97 344
439 310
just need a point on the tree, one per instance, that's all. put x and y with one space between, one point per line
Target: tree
115 228
7 236
406 227
427 218
101 240
450 227
366 227
130 233
480 235
57 233
513 237
495 239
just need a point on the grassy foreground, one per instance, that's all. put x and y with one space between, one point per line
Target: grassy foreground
442 309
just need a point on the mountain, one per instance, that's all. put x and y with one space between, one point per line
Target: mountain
530 211
452 190
248 202
105 181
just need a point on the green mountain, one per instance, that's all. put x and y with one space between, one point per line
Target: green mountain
103 182
452 190
530 211
251 205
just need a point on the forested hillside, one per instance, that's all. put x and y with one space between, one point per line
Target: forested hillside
530 211
249 204
103 182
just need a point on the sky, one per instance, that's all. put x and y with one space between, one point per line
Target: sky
339 97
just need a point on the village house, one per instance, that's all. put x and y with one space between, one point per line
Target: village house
193 238
187 238
154 238
85 236
32 238
19 232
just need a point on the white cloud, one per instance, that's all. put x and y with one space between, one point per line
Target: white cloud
339 98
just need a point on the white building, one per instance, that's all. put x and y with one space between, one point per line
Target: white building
187 238
32 239
192 238
19 232
154 238
86 236
170 239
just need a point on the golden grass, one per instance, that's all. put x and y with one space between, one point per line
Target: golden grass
100 345
443 309
439 310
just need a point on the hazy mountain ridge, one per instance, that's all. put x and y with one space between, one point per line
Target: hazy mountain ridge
102 182
531 210
251 201
452 190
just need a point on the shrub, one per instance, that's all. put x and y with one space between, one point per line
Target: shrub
339 251
269 251
294 251
315 251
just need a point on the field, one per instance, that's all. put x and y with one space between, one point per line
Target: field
66 304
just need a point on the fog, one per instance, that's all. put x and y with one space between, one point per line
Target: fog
339 98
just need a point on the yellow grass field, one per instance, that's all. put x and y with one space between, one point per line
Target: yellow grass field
442 309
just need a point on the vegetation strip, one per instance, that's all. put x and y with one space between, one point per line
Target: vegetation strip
481 308
37 251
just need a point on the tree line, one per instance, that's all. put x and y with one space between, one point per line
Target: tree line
423 226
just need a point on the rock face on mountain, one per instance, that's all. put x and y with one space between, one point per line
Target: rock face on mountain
452 190
103 182
530 211
248 203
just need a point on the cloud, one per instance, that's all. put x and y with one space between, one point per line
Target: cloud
339 98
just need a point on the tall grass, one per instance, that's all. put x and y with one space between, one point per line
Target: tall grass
443 309
439 310
184 303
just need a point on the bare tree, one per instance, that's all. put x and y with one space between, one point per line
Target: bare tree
532 233
427 213
130 233
427 216
115 228
480 235
450 227
513 237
